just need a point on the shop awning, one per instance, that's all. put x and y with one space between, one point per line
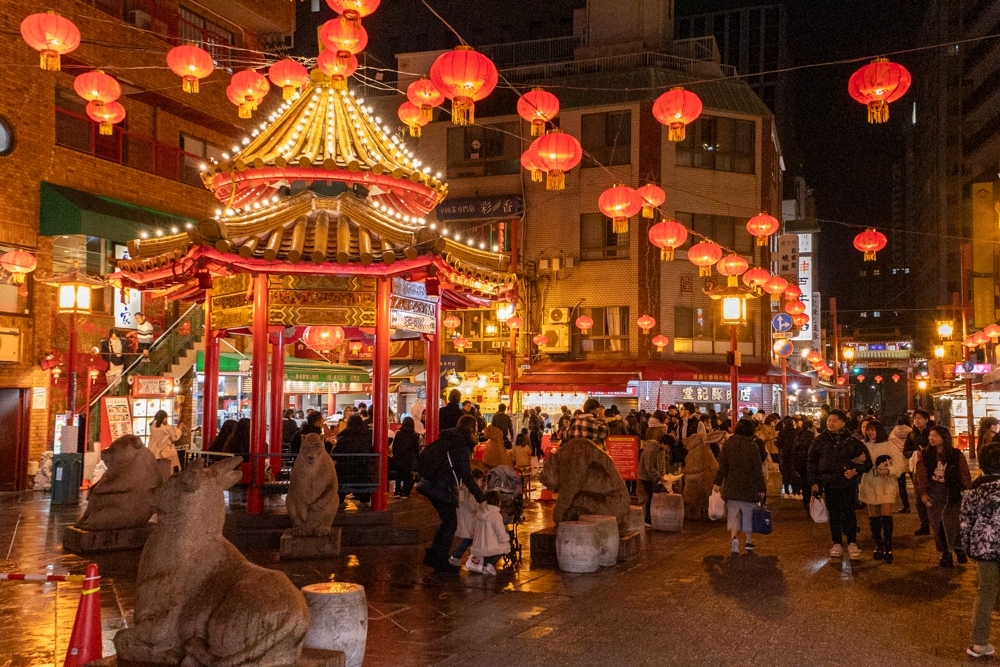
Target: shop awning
581 382
609 375
66 211
296 370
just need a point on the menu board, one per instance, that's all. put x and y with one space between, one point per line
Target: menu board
624 452
116 419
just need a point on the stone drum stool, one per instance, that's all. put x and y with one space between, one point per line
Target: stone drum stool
578 546
608 536
338 619
667 512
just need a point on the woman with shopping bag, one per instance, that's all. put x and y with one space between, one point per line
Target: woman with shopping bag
740 481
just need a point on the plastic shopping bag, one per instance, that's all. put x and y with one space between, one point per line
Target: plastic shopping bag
817 510
716 506
474 564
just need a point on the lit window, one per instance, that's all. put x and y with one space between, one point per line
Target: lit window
876 314
876 272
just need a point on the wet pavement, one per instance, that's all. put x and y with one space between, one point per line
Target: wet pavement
685 601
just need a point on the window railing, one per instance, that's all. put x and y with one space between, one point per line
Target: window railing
127 148
533 51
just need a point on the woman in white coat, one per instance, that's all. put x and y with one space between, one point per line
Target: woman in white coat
879 486
162 437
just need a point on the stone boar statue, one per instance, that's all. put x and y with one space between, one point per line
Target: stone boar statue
312 500
199 601
587 483
121 498
700 466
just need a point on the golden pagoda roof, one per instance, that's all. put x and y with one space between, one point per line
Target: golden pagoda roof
325 134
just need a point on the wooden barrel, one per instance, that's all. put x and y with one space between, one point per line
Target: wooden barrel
667 512
608 536
578 546
338 619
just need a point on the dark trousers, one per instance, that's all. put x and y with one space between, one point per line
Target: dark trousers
648 488
841 504
404 481
902 490
448 514
535 437
925 521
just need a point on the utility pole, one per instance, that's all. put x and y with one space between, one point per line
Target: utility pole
963 296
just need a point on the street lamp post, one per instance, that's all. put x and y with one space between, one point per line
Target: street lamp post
734 315
848 354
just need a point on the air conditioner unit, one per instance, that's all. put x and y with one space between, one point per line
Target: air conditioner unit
556 316
140 19
10 345
558 335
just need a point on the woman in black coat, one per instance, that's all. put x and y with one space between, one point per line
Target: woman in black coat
787 434
405 449
355 439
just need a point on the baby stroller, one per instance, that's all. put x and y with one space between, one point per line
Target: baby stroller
507 481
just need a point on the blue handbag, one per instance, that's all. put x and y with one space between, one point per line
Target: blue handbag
761 520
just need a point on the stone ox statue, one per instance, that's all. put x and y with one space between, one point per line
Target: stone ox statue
121 498
199 601
587 483
312 499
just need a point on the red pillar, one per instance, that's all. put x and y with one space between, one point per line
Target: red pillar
71 362
380 389
784 387
210 387
734 379
433 401
258 402
277 388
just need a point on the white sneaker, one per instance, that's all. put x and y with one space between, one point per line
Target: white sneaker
853 551
455 561
736 547
489 569
977 651
836 551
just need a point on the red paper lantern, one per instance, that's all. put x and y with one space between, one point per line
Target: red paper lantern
756 277
775 286
993 331
895 378
800 320
584 323
356 347
334 67
980 338
878 379
704 255
538 107
877 84
660 342
246 90
107 116
558 153
795 307
842 381
652 198
324 338
814 356
18 264
411 115
762 226
288 74
619 203
451 322
353 10
793 292
530 161
870 242
464 76
861 378
460 343
342 37
676 108
970 342
732 266
515 322
668 235
97 87
191 64
646 323
541 340
51 35
423 94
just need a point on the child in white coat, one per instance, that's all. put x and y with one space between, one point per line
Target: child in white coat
468 510
491 540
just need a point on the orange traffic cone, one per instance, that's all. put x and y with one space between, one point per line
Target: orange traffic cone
546 494
85 642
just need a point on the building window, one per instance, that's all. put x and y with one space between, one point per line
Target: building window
723 144
606 138
484 150
482 329
725 230
196 152
212 37
598 239
610 332
697 331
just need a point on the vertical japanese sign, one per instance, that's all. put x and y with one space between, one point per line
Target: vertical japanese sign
116 419
788 257
125 311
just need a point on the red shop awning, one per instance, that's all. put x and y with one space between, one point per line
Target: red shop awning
573 382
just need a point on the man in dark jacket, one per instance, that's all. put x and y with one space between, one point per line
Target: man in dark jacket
355 470
312 425
450 414
916 441
836 462
441 463
501 420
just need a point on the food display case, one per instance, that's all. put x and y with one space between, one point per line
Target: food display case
151 394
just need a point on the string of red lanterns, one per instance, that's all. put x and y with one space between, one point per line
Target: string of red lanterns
877 84
538 107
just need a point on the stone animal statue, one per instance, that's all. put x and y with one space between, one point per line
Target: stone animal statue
199 601
700 466
312 499
587 483
120 499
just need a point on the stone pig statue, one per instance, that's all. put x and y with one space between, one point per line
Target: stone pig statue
312 499
121 498
199 601
700 466
587 483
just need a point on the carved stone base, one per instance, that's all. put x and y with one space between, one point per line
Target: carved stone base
629 546
94 541
294 547
311 657
636 516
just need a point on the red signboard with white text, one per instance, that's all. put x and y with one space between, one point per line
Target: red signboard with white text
624 452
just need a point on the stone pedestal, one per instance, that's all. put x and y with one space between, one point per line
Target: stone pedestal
80 541
310 658
667 512
338 619
294 547
542 545
629 546
578 546
636 517
607 536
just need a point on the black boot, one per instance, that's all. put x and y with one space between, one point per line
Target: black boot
876 524
887 537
